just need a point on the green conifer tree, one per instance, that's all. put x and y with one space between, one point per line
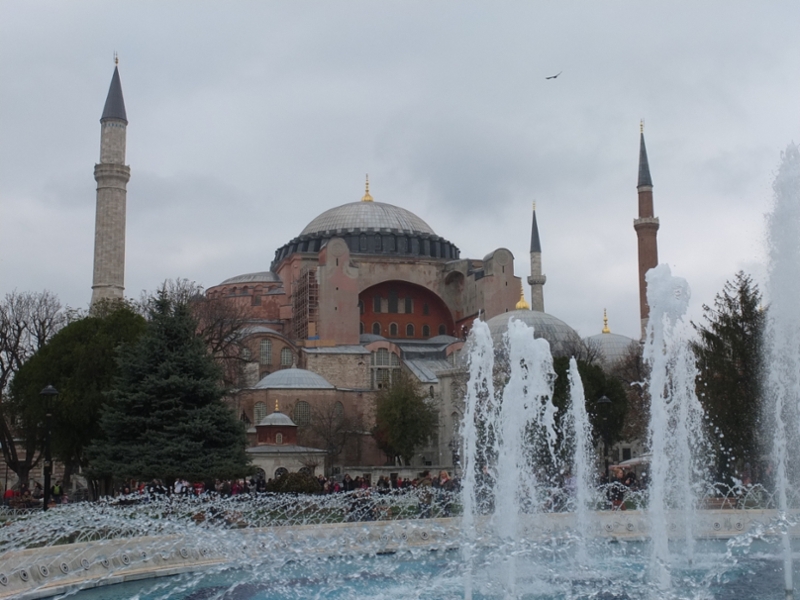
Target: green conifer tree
729 361
166 418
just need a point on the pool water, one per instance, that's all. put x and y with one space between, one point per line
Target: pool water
617 571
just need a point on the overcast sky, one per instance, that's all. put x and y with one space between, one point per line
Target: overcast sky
248 119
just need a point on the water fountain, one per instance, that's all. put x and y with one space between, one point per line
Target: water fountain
532 523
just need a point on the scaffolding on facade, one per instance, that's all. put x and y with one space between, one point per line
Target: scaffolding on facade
305 304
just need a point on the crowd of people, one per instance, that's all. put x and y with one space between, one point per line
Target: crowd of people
26 497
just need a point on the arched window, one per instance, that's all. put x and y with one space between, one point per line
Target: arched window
361 327
280 472
409 330
278 438
361 307
265 352
442 329
376 328
286 357
426 331
385 366
259 412
393 330
302 413
305 471
362 243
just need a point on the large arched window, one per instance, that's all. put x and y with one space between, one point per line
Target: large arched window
280 471
259 412
286 357
302 413
265 352
385 365
278 438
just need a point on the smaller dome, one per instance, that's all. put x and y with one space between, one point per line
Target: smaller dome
563 339
260 277
277 418
612 346
293 379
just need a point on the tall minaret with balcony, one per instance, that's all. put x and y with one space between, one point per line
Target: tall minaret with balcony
112 175
536 280
646 226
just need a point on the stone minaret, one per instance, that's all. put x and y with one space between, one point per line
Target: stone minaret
112 176
646 226
536 280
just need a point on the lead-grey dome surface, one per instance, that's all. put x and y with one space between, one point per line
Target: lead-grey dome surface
293 379
563 339
277 418
260 277
612 346
366 216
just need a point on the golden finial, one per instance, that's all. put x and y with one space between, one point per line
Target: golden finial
277 409
116 58
367 197
641 125
522 305
605 322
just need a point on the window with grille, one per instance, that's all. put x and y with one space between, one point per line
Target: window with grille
302 413
280 472
393 330
385 365
265 352
338 413
393 301
426 331
376 304
409 306
286 357
278 438
259 412
376 328
409 330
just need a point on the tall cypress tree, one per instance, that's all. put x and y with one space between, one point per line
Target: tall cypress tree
166 418
729 361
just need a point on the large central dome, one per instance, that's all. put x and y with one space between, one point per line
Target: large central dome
367 216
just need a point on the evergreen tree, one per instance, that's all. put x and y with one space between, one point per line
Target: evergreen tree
405 418
81 362
166 418
729 361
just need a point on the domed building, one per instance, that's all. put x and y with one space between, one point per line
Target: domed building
367 289
563 339
611 348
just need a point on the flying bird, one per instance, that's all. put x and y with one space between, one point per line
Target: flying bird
554 76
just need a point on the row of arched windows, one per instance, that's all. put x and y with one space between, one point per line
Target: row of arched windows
265 354
394 330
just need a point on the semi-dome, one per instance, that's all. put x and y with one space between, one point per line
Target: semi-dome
367 216
293 379
563 339
260 277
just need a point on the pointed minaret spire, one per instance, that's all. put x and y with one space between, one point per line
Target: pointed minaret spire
537 279
112 175
646 226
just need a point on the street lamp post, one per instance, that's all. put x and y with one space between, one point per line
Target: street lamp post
48 394
605 406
